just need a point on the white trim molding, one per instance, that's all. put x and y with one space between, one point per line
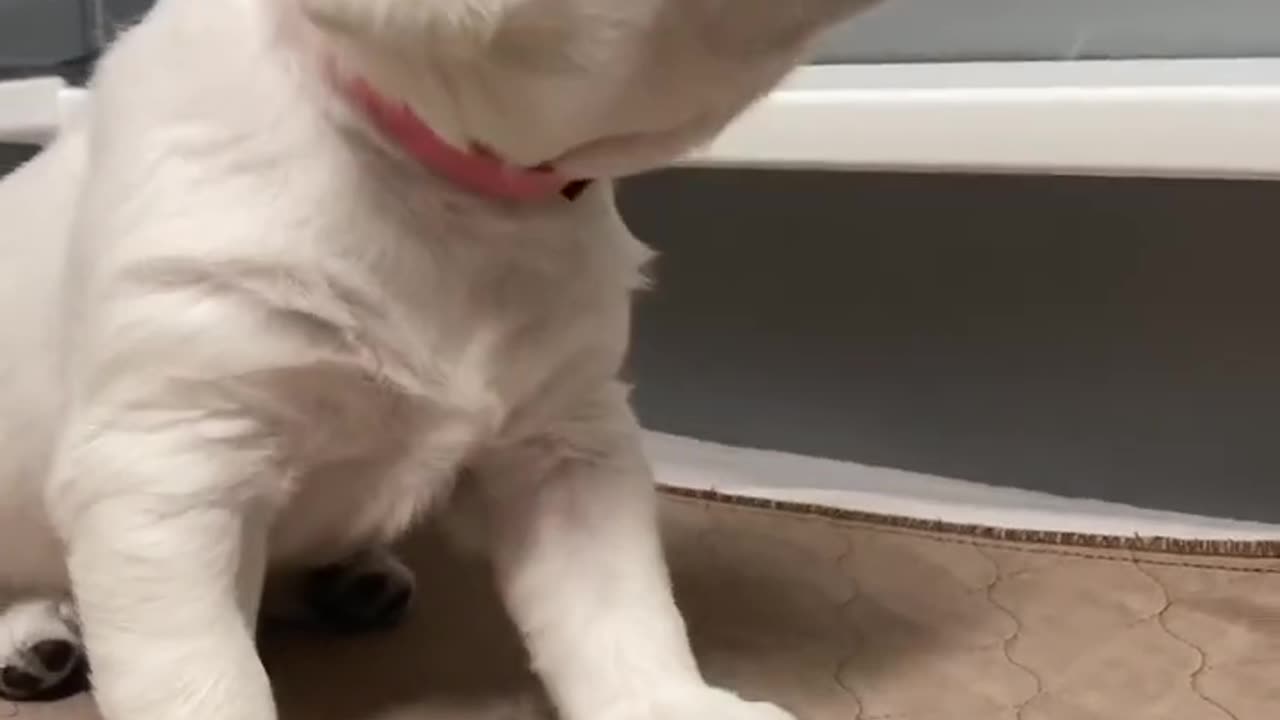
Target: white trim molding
32 110
685 462
1161 118
1156 118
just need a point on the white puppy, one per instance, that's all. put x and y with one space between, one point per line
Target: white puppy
308 268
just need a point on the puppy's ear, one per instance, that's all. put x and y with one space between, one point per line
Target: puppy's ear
407 24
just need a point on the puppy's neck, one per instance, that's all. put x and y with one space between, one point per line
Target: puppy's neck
407 108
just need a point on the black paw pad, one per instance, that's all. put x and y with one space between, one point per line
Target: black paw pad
359 596
48 670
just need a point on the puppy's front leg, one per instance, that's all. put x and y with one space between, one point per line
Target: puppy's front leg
579 562
166 541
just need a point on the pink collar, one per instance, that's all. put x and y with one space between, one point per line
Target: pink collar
477 171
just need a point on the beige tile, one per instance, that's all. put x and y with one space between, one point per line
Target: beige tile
845 621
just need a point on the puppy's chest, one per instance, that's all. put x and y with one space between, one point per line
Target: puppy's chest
485 354
463 370
476 330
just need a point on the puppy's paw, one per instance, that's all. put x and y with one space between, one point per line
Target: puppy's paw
41 655
703 703
369 591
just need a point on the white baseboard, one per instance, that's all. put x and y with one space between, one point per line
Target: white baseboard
695 464
32 110
1156 118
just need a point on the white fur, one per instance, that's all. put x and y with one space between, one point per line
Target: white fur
243 333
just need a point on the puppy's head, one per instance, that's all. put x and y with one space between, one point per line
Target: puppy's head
598 88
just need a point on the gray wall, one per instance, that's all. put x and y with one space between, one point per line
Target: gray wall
126 11
1099 338
11 156
40 33
44 32
912 30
